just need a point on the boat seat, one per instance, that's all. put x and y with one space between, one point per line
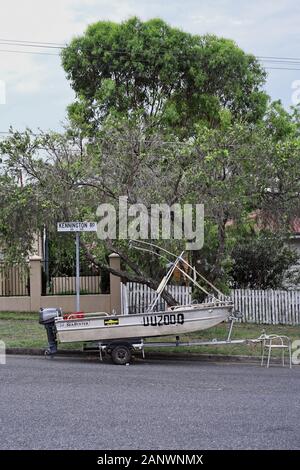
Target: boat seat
275 342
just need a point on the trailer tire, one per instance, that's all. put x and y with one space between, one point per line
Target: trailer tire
121 355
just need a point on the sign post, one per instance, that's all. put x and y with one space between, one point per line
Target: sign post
77 272
77 227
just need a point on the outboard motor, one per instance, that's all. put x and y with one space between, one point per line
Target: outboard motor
47 318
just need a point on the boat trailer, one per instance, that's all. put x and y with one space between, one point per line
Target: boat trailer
121 350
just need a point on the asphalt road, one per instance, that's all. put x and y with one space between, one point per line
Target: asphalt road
82 404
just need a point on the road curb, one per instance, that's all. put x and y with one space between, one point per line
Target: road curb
148 355
41 352
202 357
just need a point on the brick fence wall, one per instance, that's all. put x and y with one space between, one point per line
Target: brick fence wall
88 302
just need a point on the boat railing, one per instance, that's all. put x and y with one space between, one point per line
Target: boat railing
97 314
217 297
82 316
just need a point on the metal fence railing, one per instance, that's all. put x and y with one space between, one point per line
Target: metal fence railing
14 280
62 281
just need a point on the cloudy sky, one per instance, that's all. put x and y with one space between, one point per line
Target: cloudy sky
37 91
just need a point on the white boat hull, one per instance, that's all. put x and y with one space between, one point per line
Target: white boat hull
183 319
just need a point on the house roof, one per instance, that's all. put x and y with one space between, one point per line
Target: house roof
295 226
270 223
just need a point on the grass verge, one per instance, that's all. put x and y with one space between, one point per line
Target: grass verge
22 330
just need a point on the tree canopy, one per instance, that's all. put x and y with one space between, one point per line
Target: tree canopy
160 72
254 268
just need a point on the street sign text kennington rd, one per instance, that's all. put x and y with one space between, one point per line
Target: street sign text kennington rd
77 226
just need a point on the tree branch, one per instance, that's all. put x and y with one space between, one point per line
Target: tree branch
129 276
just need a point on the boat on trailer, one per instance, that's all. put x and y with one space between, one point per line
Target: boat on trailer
117 333
176 321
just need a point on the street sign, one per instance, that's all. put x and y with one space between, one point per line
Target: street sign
77 227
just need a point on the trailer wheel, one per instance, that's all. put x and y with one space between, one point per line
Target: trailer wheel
121 355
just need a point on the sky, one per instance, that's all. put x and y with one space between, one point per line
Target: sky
34 91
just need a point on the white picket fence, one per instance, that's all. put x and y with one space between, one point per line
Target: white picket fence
137 297
271 307
256 306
